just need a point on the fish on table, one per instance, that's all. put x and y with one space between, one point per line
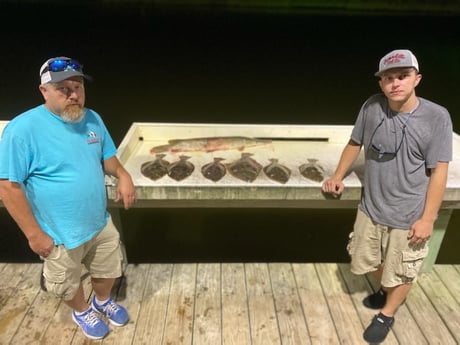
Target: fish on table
155 169
312 170
276 171
209 144
180 169
245 168
214 170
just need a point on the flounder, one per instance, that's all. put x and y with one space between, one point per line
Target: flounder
180 169
312 170
277 171
215 170
155 169
245 168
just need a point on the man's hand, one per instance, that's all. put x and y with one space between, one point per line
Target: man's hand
420 231
41 244
126 191
333 186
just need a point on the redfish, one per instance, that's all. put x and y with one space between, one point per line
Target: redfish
209 144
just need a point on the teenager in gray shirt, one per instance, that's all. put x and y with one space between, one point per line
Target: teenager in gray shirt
407 143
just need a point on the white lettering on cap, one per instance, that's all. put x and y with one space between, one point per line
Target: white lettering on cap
46 77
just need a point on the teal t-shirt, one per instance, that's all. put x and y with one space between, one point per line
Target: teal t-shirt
59 165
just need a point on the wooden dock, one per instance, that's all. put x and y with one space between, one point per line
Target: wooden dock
234 304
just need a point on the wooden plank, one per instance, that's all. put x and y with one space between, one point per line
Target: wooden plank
235 313
248 293
346 319
443 301
12 274
430 323
152 314
179 318
358 287
208 312
291 320
30 311
135 280
15 301
406 329
318 318
450 275
262 314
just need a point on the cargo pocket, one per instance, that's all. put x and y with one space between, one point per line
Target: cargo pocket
351 244
55 283
411 263
54 274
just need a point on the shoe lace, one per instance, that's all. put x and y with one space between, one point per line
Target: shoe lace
111 308
91 318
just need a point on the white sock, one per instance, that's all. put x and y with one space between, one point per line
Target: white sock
101 302
78 313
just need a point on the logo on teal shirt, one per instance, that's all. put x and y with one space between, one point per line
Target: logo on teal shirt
92 138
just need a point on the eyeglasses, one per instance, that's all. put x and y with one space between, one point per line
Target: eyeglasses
61 65
381 153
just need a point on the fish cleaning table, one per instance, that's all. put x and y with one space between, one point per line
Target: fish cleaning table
292 145
2 125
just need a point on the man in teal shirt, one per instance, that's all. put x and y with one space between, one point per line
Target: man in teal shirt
53 159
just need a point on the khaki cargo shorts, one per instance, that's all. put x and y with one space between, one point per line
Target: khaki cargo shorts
101 256
372 245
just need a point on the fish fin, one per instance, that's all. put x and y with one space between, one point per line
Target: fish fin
174 141
161 148
179 141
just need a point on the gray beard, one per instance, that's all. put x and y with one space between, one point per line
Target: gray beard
73 116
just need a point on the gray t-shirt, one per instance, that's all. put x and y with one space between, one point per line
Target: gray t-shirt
399 150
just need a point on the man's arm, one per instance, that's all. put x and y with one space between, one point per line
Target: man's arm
125 187
349 154
18 207
422 229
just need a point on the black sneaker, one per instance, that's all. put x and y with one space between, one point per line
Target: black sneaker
376 300
377 331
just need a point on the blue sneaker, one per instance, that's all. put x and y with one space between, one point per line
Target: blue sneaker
91 324
117 315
